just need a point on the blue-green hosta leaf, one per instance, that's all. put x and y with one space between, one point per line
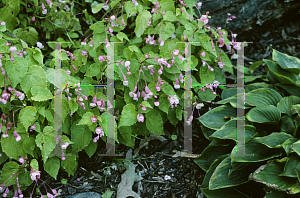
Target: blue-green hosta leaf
214 119
141 23
226 192
286 103
46 142
52 166
287 62
40 93
268 174
154 122
274 140
258 151
223 177
267 114
263 97
27 116
214 150
229 131
290 166
280 74
128 116
292 89
80 136
16 70
287 145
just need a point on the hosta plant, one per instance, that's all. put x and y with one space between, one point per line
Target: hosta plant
272 127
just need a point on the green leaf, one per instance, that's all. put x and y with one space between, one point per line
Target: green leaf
73 105
214 119
224 177
148 107
38 55
214 150
96 7
93 70
29 145
167 31
255 65
263 97
46 142
70 164
35 76
286 103
8 169
167 5
274 140
128 116
164 103
29 35
168 89
141 23
154 122
98 27
34 164
65 77
80 136
169 16
9 12
259 152
268 114
121 36
86 119
206 75
130 8
287 62
11 147
108 194
40 94
27 116
91 148
49 116
290 166
16 70
52 166
268 174
172 116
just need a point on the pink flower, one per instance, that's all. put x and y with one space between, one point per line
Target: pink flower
157 87
176 86
32 128
96 138
140 118
221 64
101 58
123 22
22 160
65 145
94 119
3 23
99 131
175 52
34 174
17 136
180 57
203 54
156 103
144 108
204 19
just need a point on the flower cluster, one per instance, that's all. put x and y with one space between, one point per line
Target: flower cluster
99 131
64 145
